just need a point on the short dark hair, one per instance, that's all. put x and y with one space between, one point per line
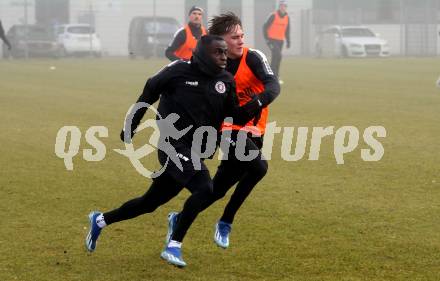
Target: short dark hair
208 39
224 23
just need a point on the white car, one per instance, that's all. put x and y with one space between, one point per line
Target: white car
350 41
77 39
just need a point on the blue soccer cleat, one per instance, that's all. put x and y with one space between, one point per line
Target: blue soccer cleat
172 221
221 235
94 232
173 255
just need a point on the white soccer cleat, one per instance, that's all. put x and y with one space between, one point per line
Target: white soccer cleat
173 255
221 234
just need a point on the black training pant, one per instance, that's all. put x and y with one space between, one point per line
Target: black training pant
275 61
231 171
163 189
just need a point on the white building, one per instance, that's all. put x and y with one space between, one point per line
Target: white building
407 35
112 17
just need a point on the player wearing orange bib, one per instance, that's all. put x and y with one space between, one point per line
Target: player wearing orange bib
185 39
275 30
254 80
257 85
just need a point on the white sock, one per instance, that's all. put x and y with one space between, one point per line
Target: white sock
100 221
174 244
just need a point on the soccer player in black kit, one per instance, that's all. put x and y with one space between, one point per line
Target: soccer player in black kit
201 93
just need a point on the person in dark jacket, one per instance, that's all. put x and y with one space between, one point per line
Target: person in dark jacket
3 37
276 30
186 38
200 93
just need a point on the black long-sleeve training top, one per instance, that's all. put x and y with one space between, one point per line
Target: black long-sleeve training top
199 99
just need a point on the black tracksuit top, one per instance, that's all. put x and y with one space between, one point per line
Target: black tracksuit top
199 99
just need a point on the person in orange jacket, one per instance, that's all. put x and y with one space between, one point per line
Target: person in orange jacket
275 30
185 39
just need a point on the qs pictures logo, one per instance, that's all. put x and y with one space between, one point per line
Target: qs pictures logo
346 139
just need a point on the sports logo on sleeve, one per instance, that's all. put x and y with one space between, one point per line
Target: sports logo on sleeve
220 87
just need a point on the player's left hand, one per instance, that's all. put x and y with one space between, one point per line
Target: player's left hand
256 113
253 106
248 93
288 44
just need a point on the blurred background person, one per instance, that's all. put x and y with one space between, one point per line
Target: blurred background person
3 36
276 29
185 39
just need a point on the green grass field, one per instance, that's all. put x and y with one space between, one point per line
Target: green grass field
307 220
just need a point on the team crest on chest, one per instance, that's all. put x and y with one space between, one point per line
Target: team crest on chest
220 87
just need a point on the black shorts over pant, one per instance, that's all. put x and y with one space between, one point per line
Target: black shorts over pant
164 188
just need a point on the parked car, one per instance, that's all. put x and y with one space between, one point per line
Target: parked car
150 36
36 40
350 41
78 39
